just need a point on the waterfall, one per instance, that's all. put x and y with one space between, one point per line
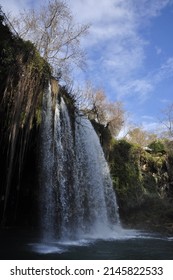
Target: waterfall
64 166
95 199
77 197
48 203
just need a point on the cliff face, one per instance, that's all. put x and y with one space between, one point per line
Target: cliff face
143 183
23 78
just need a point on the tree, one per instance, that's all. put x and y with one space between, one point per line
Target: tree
95 104
55 35
167 119
140 136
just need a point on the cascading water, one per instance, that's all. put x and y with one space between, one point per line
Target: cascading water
47 210
64 168
95 200
77 196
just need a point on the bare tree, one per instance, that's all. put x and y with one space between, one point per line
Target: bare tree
140 136
55 35
167 119
95 104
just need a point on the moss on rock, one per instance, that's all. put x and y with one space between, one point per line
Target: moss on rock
142 183
24 76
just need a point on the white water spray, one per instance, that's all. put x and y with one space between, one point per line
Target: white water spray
77 196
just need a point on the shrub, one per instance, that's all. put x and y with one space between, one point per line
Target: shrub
157 147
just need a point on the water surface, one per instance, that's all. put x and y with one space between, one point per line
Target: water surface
134 245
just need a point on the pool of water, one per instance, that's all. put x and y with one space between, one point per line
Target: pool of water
129 245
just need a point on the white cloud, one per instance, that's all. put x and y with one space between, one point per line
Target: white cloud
98 11
147 9
115 46
14 6
147 84
147 118
165 101
138 88
165 71
153 127
158 50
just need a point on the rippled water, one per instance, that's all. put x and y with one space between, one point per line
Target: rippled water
129 245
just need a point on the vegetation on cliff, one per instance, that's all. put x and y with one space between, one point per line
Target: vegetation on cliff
142 178
23 77
144 185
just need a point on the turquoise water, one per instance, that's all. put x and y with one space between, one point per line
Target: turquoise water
134 245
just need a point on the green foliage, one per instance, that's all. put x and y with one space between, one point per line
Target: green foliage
157 146
137 174
142 184
168 144
23 78
126 174
22 69
7 57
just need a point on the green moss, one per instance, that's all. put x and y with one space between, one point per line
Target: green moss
124 164
141 181
157 147
24 75
38 116
22 69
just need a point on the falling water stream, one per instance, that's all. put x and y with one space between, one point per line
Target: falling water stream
95 199
78 211
77 195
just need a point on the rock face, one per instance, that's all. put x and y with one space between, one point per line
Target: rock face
143 182
23 77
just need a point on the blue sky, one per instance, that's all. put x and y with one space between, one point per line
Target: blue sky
129 52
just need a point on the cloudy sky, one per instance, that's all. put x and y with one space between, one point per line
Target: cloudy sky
129 51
